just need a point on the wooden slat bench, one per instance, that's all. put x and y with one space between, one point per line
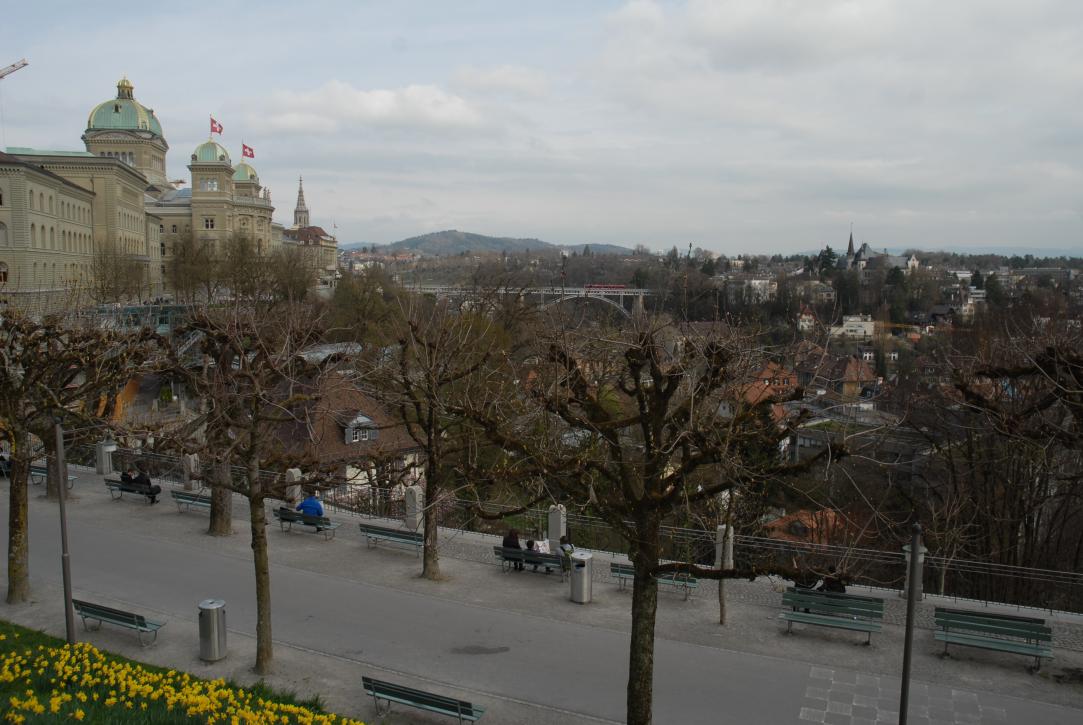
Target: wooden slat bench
390 692
190 499
40 474
118 488
119 617
319 524
626 573
374 534
1001 632
508 556
828 609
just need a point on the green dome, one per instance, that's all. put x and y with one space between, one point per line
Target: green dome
244 172
209 151
123 113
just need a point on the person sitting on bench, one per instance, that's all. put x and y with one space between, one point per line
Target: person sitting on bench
5 466
140 482
311 505
832 583
511 541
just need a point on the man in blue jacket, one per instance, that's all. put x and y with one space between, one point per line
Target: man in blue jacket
311 506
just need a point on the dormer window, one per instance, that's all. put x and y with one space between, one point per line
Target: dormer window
360 429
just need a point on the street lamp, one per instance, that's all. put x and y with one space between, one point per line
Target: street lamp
65 556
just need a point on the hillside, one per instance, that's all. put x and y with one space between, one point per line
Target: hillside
452 242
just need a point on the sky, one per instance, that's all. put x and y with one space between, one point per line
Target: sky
736 125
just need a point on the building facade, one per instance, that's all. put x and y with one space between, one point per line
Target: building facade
115 198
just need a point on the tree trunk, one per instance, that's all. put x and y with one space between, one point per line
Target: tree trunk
18 532
722 601
258 519
430 566
644 611
221 501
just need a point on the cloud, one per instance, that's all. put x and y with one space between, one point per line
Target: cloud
509 79
336 105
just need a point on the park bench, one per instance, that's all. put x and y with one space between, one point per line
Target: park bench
508 556
1001 632
319 524
830 609
40 474
380 690
190 499
118 488
119 617
624 573
374 534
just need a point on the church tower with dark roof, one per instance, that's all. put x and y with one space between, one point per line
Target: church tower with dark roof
300 213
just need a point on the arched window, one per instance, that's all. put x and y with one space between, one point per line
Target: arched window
31 199
33 236
3 234
50 203
3 270
52 239
41 201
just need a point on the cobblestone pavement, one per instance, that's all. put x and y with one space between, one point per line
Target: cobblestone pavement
839 697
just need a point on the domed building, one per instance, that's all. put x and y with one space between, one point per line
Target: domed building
63 213
125 129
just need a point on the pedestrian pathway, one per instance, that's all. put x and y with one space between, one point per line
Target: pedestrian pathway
510 641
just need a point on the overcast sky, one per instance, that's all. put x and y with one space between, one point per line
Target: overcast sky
739 125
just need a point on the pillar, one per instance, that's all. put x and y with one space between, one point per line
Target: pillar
293 484
415 507
190 469
558 526
103 456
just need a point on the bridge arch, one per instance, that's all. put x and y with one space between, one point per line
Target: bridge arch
595 298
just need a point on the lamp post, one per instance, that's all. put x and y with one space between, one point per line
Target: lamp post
913 585
65 556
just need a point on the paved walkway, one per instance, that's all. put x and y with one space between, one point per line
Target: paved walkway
511 642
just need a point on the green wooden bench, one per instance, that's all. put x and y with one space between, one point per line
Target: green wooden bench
1002 632
320 524
190 499
828 609
40 474
508 556
100 614
118 488
374 534
682 582
380 690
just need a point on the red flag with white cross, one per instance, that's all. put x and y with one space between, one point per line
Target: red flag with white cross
216 127
247 152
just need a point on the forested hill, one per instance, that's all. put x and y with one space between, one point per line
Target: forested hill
452 242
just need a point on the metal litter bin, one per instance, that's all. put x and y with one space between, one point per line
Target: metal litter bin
212 630
581 577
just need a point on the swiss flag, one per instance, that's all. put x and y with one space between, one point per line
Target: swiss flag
215 126
247 152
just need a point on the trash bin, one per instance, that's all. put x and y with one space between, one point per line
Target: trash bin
581 576
212 630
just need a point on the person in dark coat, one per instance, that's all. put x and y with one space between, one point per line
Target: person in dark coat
832 583
511 541
142 482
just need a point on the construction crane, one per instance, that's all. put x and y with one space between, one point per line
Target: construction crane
4 72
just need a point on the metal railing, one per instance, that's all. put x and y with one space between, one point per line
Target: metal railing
961 579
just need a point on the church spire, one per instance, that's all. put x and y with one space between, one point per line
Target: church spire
300 213
850 249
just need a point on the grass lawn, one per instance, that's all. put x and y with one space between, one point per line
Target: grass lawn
43 680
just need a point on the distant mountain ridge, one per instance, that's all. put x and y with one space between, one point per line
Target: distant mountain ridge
452 242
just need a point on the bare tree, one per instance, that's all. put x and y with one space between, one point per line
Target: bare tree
194 271
50 372
115 275
257 380
438 349
636 427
